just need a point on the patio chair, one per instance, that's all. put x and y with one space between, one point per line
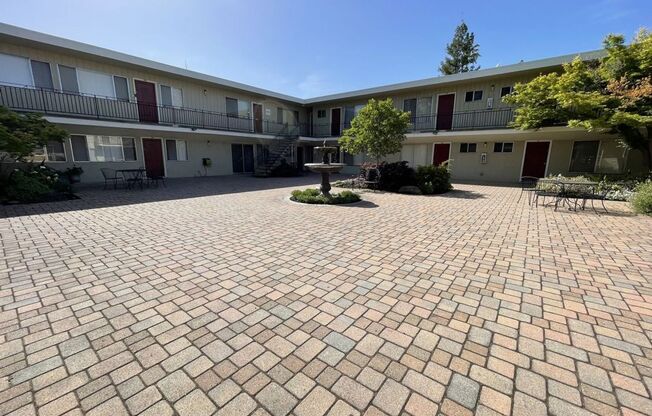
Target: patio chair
529 186
372 179
155 179
551 190
111 176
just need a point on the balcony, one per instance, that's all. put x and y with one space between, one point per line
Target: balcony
57 103
457 121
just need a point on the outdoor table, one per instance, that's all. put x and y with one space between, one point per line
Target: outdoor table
132 176
568 190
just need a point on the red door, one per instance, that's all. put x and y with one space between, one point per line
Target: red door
258 118
335 121
536 159
153 151
445 105
146 98
442 153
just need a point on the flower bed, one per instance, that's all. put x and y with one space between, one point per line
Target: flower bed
313 196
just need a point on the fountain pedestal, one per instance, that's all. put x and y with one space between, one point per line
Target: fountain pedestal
325 186
325 168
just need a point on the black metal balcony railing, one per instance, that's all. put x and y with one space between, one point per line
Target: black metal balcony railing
462 120
53 102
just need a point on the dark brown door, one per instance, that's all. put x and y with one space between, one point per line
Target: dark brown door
442 151
146 98
536 158
258 118
335 121
445 106
153 151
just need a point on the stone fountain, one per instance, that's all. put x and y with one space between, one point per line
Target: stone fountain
325 167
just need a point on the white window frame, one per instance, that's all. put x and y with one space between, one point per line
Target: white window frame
172 88
46 156
176 145
597 156
29 67
467 147
122 149
502 147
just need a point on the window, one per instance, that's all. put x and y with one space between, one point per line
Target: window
410 106
42 75
244 109
424 106
129 148
349 114
176 149
68 76
473 96
171 97
500 147
102 148
505 91
279 115
231 106
55 151
584 156
14 70
121 88
321 113
468 147
95 83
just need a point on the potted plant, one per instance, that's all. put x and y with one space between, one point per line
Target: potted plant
74 174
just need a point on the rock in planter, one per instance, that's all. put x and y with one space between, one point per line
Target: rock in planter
411 190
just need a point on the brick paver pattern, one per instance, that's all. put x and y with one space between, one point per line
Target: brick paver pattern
220 296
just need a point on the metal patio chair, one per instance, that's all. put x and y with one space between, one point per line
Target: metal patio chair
111 176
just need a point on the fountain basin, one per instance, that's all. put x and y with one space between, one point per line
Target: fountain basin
325 167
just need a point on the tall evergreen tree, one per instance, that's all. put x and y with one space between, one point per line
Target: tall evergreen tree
463 52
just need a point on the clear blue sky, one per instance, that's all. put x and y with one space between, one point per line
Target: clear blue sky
314 47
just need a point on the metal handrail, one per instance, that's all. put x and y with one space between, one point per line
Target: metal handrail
56 102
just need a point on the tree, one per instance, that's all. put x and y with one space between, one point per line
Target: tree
378 130
463 52
21 134
611 95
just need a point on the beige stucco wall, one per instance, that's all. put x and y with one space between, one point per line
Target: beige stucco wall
196 94
507 167
490 87
214 146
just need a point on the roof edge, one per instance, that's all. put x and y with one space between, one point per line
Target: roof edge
59 42
465 76
56 41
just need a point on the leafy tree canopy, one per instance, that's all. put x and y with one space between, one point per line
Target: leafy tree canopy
612 94
21 134
463 52
377 130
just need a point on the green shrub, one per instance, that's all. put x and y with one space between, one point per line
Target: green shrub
392 175
313 196
26 187
433 179
642 198
35 183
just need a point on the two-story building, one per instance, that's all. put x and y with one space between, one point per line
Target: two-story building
127 112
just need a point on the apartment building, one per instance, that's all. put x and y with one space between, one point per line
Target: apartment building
126 112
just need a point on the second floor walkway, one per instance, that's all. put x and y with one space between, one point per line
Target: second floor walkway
54 102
